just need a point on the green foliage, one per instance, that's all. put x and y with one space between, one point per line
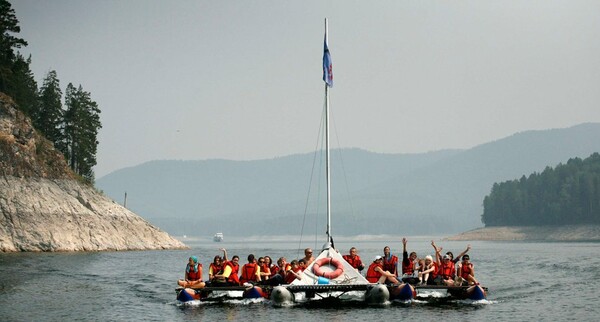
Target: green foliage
567 194
49 118
81 125
8 25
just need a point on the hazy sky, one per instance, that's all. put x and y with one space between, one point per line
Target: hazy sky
242 79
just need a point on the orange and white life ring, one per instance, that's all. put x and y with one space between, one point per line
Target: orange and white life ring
339 267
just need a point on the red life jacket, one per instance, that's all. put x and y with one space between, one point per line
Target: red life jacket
447 270
283 271
465 271
215 269
274 270
248 273
354 262
289 278
373 275
436 268
408 267
233 277
195 276
391 265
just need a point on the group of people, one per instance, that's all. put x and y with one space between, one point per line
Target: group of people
257 271
444 270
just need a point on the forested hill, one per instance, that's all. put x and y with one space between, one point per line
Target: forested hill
436 192
566 194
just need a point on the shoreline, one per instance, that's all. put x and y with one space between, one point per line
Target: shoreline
531 233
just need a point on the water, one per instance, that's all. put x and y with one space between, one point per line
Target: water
527 281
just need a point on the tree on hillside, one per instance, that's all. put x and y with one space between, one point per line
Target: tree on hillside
23 87
8 25
82 122
49 118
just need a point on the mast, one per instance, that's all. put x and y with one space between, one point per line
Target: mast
327 161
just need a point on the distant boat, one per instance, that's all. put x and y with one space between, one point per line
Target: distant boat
218 237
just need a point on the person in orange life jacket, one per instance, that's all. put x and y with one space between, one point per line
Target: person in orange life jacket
308 256
467 272
250 271
354 260
280 273
230 272
446 272
265 270
390 262
193 274
293 273
215 267
409 263
273 268
376 273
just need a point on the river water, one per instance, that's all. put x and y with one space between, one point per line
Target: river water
527 281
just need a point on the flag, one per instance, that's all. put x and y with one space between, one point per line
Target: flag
327 66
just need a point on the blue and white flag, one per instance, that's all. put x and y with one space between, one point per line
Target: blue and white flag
327 66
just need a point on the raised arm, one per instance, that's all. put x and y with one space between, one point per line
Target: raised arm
464 252
224 254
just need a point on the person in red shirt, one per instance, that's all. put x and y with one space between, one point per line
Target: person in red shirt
354 260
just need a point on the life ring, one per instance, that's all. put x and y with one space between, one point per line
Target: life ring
339 267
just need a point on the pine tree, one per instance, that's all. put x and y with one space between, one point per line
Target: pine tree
49 118
8 25
23 87
82 122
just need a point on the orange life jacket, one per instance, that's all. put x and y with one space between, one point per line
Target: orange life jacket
233 277
408 266
195 276
465 271
248 273
373 275
447 270
215 269
291 277
274 270
391 265
354 262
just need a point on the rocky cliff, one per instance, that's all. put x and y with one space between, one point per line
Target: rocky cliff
44 207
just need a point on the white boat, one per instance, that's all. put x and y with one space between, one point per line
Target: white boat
218 237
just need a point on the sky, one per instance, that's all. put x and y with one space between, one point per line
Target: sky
241 80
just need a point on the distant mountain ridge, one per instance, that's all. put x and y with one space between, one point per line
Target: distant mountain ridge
428 193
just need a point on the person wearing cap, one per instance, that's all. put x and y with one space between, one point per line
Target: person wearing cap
376 273
193 274
354 260
447 271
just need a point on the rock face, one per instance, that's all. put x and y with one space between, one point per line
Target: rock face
43 207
